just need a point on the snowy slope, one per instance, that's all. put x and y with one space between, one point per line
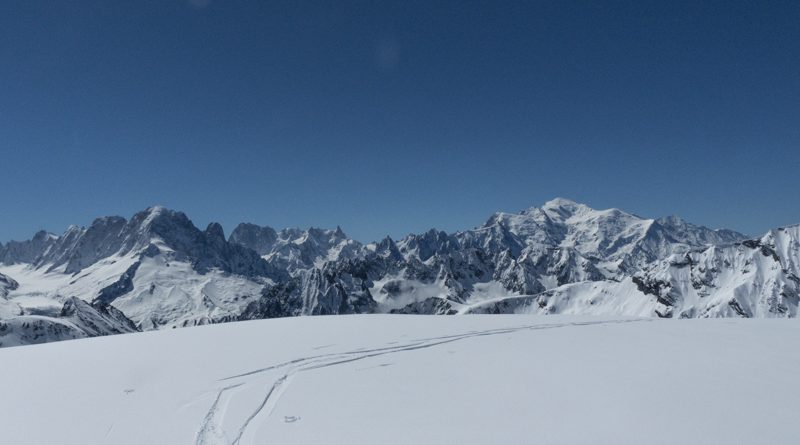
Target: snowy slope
167 294
404 379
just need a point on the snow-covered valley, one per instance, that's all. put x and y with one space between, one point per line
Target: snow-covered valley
366 379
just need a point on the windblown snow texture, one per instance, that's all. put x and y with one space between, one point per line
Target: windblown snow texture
412 379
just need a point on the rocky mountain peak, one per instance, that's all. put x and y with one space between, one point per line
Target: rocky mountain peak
339 233
28 251
388 248
261 239
215 232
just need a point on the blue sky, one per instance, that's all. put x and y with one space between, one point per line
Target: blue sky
394 117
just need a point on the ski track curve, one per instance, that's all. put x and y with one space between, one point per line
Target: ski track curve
210 429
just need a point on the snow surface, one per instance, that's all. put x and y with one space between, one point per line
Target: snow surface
370 379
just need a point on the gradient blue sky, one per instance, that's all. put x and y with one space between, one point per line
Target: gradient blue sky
394 117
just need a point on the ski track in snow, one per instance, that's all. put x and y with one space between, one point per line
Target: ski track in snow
211 432
275 387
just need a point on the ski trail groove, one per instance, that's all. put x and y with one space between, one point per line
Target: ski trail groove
310 363
208 426
310 358
275 386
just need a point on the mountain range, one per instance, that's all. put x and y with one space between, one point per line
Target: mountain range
157 270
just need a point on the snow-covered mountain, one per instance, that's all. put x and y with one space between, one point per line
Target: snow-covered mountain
157 268
77 319
529 253
160 271
295 249
752 278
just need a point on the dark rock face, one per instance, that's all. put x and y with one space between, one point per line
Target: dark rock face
213 251
97 318
7 284
650 286
101 240
432 306
283 300
77 319
663 292
79 248
260 239
118 288
765 249
295 249
739 309
16 252
430 243
334 289
28 330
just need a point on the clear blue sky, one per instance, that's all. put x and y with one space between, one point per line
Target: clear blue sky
394 117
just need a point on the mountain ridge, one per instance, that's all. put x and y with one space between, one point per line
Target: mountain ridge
159 270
